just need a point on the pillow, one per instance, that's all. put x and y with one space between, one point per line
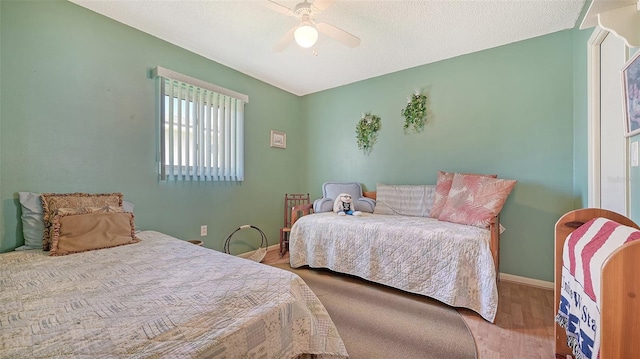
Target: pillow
75 230
53 201
127 206
32 220
71 211
443 185
474 200
406 200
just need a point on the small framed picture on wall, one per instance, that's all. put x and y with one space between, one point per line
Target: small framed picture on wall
631 95
278 139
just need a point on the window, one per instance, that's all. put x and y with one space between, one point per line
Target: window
201 130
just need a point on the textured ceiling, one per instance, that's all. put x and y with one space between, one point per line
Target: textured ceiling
395 35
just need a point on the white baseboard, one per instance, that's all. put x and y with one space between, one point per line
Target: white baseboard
527 281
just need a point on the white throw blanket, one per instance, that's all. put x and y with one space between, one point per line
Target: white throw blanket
585 250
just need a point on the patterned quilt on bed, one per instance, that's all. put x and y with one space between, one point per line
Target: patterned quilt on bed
160 298
445 261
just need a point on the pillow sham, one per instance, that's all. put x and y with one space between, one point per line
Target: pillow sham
474 200
75 230
443 185
53 201
127 206
406 200
82 210
32 217
32 220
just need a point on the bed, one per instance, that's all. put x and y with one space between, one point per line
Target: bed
450 262
597 292
160 297
441 241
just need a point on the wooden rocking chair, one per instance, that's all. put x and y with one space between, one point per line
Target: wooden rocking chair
290 200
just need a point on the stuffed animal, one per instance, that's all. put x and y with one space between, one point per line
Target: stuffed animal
343 205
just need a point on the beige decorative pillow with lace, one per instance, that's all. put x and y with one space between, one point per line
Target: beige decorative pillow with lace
75 230
53 201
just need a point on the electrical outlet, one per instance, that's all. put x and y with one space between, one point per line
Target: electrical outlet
203 231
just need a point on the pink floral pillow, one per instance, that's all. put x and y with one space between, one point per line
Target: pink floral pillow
474 200
445 179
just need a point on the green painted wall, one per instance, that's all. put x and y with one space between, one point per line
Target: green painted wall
507 110
78 114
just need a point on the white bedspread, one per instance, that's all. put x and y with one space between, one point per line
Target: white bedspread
445 261
160 298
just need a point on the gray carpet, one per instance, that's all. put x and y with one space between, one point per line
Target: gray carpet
378 322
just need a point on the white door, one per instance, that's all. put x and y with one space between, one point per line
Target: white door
613 195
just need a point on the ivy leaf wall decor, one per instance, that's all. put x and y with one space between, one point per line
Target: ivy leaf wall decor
367 132
415 114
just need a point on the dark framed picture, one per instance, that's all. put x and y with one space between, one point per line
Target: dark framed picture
631 95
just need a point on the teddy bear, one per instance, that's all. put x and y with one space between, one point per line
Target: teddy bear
343 205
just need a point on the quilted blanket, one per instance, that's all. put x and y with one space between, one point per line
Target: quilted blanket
160 298
583 255
445 261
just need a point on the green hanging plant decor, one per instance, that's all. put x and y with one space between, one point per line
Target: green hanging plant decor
367 132
415 114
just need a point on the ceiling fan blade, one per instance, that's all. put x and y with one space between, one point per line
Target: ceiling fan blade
277 7
322 4
285 40
338 34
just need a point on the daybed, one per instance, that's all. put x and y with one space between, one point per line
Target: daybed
597 291
451 262
153 297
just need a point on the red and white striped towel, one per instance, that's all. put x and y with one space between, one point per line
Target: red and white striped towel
585 250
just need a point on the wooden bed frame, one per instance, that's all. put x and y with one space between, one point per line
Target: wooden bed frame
494 228
620 289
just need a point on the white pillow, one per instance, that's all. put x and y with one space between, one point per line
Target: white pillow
405 200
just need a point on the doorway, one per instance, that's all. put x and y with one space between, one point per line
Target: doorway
608 187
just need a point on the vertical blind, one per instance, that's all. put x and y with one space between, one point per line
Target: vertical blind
201 130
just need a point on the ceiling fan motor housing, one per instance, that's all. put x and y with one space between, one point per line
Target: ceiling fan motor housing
304 9
305 33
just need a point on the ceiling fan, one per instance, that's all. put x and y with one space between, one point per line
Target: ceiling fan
305 33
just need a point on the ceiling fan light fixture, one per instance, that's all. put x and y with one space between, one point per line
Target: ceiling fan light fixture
306 35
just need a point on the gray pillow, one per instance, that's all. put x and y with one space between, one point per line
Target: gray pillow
32 220
127 206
